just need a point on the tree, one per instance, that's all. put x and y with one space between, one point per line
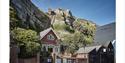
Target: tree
83 35
73 42
86 28
27 40
69 43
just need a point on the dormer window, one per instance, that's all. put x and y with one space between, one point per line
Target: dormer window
50 37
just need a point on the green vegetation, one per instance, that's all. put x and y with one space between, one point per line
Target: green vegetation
27 40
63 26
13 18
86 28
80 35
75 41
59 26
69 29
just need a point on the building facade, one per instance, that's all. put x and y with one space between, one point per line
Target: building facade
50 46
96 54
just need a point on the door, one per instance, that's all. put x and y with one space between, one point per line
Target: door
50 50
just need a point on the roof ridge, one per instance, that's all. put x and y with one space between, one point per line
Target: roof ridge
44 32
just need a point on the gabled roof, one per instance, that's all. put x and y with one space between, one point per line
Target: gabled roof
88 49
105 44
43 33
98 47
85 50
95 46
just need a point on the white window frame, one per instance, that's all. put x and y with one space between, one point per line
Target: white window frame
50 37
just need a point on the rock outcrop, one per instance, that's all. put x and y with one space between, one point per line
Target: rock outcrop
30 16
61 16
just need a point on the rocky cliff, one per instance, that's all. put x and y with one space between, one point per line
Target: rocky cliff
59 16
29 15
64 16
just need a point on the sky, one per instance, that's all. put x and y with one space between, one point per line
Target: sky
100 12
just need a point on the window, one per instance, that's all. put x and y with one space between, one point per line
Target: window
56 49
49 60
50 37
104 50
69 61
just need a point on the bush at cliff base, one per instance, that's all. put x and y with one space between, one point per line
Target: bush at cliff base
27 41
